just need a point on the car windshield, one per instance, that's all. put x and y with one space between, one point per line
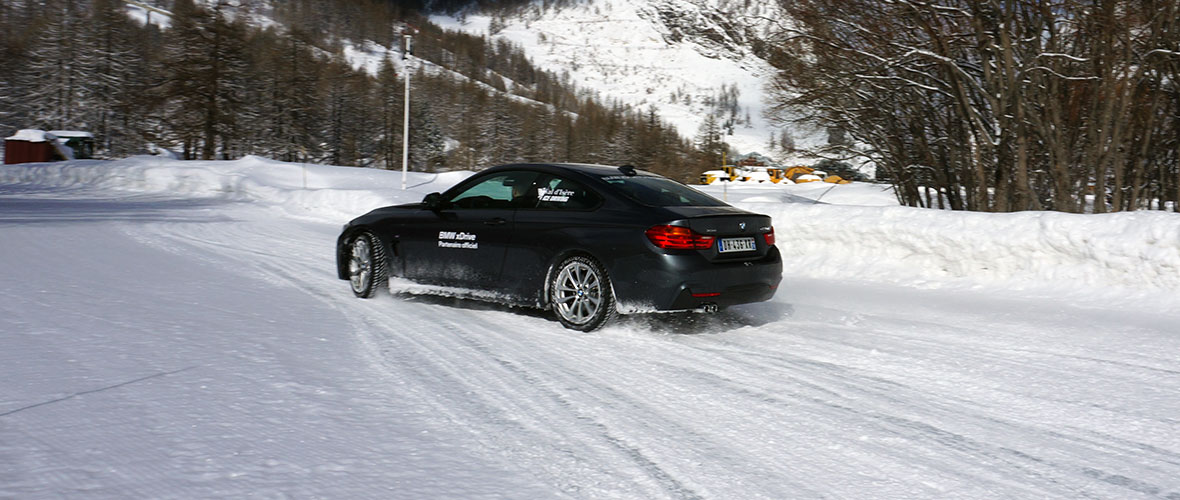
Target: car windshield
661 192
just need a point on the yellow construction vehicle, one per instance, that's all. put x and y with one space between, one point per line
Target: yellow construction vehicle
776 175
712 176
735 174
800 175
747 171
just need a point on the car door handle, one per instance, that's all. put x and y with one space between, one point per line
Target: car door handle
498 221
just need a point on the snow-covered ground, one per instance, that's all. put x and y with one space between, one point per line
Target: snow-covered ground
176 330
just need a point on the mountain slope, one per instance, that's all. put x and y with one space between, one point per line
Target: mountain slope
683 57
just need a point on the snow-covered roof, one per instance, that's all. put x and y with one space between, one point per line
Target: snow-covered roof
755 156
71 133
31 135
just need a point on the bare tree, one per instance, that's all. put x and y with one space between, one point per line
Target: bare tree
994 105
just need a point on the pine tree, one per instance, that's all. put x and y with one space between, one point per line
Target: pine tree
349 132
500 133
205 71
541 136
390 104
13 27
53 77
111 61
287 96
427 145
787 141
224 109
185 63
648 143
709 142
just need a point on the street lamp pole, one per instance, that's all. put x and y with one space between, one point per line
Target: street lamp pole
406 122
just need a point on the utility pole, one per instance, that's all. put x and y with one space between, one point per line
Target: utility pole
725 187
406 122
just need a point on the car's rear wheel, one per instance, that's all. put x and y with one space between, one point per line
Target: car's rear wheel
581 294
366 265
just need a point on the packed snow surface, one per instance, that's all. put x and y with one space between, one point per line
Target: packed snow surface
176 330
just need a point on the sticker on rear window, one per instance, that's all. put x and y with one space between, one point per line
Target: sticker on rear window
558 195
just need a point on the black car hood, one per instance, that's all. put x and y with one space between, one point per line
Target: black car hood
398 208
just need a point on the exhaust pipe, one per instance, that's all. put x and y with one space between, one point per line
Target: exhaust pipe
710 308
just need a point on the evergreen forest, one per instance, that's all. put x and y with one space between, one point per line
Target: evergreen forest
214 83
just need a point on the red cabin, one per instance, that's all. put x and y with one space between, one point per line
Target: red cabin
31 145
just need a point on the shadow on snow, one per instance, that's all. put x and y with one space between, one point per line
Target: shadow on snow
681 322
26 206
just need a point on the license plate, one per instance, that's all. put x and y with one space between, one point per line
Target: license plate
727 245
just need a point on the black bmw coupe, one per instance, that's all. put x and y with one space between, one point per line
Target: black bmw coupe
588 241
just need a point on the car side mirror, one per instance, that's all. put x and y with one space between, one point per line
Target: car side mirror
433 202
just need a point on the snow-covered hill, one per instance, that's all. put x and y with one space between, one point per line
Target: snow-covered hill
176 330
678 56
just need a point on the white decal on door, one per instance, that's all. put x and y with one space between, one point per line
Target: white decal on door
453 239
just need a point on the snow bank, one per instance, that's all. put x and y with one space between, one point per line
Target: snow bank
1027 250
1031 250
856 193
857 231
313 191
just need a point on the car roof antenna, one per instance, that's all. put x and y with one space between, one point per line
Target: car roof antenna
628 170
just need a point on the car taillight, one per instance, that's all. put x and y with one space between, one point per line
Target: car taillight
678 238
769 236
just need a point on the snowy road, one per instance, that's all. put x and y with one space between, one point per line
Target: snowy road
161 347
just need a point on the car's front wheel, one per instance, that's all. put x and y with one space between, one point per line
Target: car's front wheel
366 265
581 294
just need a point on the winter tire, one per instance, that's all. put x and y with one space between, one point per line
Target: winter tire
581 295
366 265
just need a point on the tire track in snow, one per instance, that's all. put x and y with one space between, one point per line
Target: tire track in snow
530 396
438 352
858 388
523 392
309 277
503 407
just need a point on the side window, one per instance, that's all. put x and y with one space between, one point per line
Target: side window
498 191
556 193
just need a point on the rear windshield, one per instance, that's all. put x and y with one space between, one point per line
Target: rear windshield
661 192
